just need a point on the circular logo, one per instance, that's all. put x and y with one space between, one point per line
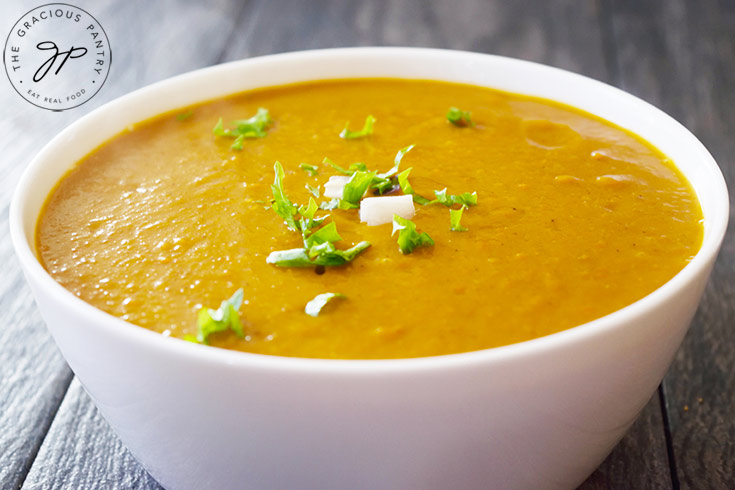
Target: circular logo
57 56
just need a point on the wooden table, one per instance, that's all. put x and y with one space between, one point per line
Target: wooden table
678 55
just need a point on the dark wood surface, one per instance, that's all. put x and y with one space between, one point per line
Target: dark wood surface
678 55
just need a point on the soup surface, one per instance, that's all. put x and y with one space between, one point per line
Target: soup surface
575 218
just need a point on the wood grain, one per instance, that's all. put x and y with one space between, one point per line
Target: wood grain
33 376
639 461
81 452
681 56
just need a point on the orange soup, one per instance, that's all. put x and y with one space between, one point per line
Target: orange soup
519 217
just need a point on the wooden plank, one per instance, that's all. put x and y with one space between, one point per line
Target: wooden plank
537 31
82 444
630 465
33 376
82 452
681 56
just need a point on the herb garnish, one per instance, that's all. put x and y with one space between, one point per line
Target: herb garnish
388 181
312 170
367 129
323 254
380 182
184 115
253 127
465 199
226 317
358 166
314 191
408 237
459 118
330 205
307 220
314 307
396 162
319 248
407 188
281 203
356 187
455 216
327 233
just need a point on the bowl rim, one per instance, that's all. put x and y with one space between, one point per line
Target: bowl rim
201 353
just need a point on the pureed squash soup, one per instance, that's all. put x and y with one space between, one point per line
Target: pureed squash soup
519 217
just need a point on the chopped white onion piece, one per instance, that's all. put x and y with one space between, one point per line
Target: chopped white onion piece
380 210
335 186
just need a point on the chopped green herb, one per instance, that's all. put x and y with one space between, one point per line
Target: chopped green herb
319 246
359 166
367 129
330 205
314 307
399 156
308 210
226 317
419 199
403 182
323 254
382 186
237 145
191 338
314 191
342 204
337 203
408 237
281 204
327 254
465 199
459 118
253 127
184 115
407 188
327 233
381 182
396 162
307 220
455 216
339 169
312 170
295 257
356 187
385 182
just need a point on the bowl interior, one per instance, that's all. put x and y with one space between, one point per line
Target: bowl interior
517 76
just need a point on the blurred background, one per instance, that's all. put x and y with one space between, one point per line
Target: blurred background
677 54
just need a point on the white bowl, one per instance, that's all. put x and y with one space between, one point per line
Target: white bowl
538 414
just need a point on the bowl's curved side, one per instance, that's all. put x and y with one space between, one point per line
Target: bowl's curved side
541 414
543 423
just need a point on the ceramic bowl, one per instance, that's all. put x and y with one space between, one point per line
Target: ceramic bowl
538 414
